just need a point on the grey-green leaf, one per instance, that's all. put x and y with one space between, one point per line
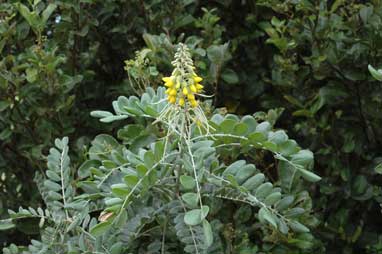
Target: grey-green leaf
6 224
100 228
266 215
187 182
253 182
298 227
208 236
264 190
196 216
272 198
191 199
377 74
309 176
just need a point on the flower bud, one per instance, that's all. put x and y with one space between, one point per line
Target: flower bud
194 103
193 88
172 92
191 97
181 102
172 99
197 79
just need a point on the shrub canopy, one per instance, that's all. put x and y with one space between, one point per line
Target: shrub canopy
297 72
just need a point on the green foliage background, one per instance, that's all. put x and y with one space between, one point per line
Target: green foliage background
307 60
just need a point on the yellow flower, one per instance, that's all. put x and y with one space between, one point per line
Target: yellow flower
183 111
168 81
172 99
194 103
197 79
199 87
181 102
183 84
191 97
172 92
193 88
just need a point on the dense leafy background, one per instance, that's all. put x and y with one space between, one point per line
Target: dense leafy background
307 59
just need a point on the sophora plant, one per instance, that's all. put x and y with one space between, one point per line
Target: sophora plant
180 180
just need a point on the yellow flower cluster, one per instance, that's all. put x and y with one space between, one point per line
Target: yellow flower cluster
182 89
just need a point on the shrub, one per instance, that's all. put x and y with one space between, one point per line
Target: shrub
177 181
310 60
56 65
304 62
